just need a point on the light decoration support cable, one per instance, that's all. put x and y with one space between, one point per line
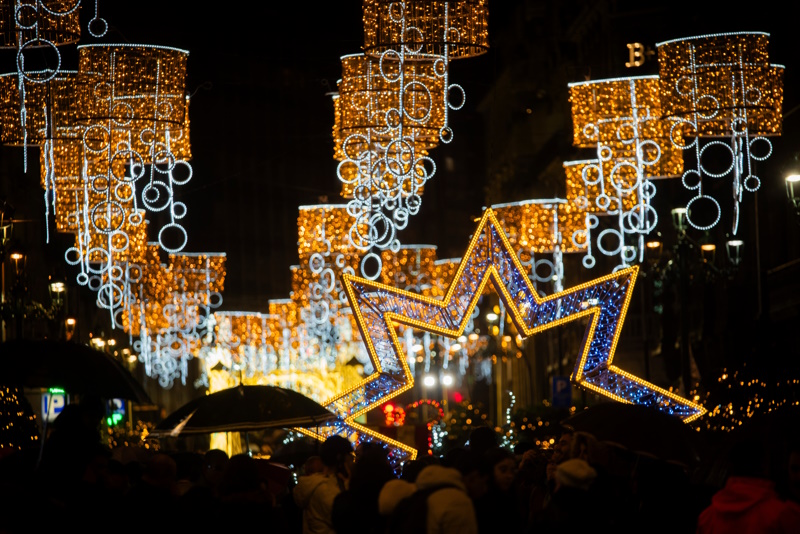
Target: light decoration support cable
490 258
620 120
721 94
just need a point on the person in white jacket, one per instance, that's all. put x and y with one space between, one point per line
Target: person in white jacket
450 509
314 494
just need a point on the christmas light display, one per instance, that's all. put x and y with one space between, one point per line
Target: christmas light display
325 253
620 119
168 307
490 257
393 106
539 227
720 92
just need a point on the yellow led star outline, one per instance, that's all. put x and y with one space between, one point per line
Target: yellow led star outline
379 309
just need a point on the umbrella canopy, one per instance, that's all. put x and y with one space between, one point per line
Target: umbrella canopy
641 430
243 409
76 368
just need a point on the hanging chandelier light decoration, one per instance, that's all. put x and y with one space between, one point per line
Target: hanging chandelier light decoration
325 253
168 308
123 119
393 106
387 117
241 344
621 120
135 116
36 29
722 96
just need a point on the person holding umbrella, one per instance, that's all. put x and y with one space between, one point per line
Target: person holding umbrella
314 494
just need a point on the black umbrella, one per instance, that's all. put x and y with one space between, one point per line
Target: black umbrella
76 368
641 430
243 409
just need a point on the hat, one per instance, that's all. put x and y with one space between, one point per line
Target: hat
334 449
575 473
392 493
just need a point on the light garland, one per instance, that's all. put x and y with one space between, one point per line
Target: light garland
721 86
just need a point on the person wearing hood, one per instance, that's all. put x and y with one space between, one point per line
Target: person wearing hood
449 508
748 502
314 494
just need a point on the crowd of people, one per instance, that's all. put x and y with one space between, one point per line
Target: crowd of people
575 485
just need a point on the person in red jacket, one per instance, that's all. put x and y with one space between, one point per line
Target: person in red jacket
748 502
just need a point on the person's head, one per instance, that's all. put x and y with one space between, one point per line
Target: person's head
160 471
370 447
240 476
574 473
582 446
214 462
412 468
312 465
482 439
337 455
503 465
475 472
748 458
562 446
371 471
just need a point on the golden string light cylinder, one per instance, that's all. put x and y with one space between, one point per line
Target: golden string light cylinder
412 268
147 295
624 114
540 225
127 244
323 229
450 28
443 273
140 96
46 104
241 329
39 23
589 191
198 272
724 82
370 104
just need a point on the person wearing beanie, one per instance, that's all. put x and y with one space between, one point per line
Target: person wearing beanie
575 473
572 507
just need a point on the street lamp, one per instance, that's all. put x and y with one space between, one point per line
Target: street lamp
793 192
734 249
680 219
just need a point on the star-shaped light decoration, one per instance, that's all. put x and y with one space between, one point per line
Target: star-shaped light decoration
381 309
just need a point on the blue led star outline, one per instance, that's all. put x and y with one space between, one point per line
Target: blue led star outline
379 309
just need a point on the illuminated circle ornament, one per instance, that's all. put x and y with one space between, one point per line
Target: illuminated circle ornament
380 309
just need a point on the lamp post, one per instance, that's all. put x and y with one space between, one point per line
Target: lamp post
6 229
